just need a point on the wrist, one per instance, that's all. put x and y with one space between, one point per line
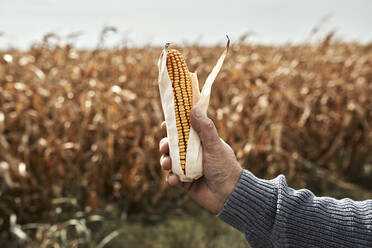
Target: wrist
231 182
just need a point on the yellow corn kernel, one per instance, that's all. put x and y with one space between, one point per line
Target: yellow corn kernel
182 90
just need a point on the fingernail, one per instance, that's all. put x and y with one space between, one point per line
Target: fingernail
198 112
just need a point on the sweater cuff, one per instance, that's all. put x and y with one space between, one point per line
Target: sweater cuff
249 206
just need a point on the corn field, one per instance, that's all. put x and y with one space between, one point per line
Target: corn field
79 129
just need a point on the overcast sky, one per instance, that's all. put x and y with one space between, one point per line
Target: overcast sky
157 21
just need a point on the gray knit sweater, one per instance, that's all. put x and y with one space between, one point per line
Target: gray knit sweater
270 214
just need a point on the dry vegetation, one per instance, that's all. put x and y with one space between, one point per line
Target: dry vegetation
79 130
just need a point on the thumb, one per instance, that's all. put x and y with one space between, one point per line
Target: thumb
205 129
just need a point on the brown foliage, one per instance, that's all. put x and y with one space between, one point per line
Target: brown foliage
85 124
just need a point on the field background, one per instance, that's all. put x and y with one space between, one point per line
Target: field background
79 133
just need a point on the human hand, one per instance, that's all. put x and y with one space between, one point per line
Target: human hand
220 168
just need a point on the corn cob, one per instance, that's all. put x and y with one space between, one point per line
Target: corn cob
182 90
179 91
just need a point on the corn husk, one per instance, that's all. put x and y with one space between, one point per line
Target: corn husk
194 153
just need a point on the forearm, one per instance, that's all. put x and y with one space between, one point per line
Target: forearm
270 213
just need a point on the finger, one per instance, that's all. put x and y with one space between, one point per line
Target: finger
205 128
173 180
165 162
164 126
164 146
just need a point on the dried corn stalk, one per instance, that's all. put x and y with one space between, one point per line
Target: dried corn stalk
176 95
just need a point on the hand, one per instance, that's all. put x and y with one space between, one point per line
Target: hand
220 168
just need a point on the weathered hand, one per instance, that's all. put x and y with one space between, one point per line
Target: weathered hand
220 167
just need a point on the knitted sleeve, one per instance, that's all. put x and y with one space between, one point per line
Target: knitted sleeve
271 214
